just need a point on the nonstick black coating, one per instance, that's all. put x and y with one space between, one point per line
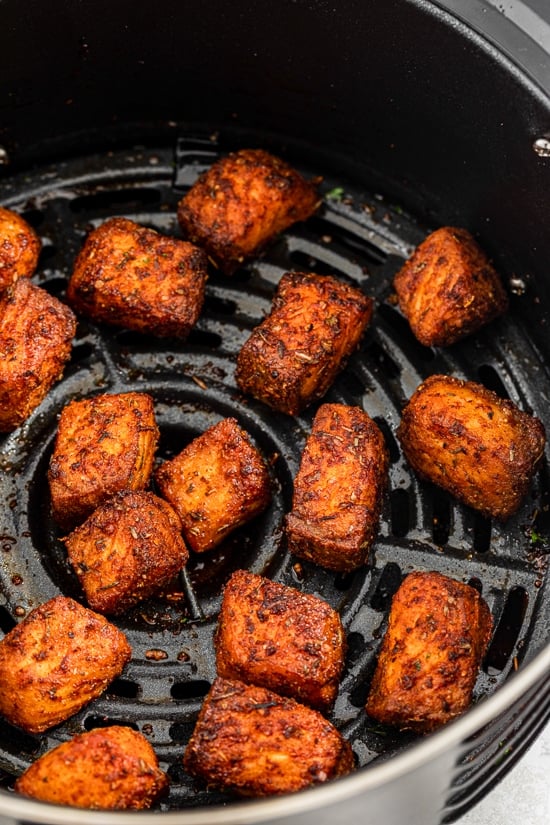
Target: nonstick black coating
361 237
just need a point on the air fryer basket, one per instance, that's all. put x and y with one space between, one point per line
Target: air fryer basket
404 144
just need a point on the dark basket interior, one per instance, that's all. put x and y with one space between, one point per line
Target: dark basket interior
362 237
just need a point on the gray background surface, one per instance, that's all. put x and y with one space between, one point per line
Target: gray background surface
523 797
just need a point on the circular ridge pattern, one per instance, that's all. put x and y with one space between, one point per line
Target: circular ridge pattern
361 239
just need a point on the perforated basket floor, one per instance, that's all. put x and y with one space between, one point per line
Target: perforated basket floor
362 239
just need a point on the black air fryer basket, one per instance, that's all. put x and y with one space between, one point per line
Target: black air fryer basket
417 115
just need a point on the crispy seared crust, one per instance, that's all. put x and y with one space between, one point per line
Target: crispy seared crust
294 355
104 444
216 484
111 768
255 743
275 636
36 333
128 549
437 635
19 248
243 201
57 660
130 276
448 288
477 446
338 490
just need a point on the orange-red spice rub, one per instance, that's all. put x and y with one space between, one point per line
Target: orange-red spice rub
253 742
338 490
242 202
111 768
294 355
126 550
36 334
217 483
19 248
273 635
133 277
448 288
437 635
56 661
480 448
104 444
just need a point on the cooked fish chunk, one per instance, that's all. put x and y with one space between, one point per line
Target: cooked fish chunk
111 768
480 448
293 356
104 444
217 483
438 632
133 277
253 742
241 202
19 248
448 288
126 550
56 661
338 490
272 635
36 333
